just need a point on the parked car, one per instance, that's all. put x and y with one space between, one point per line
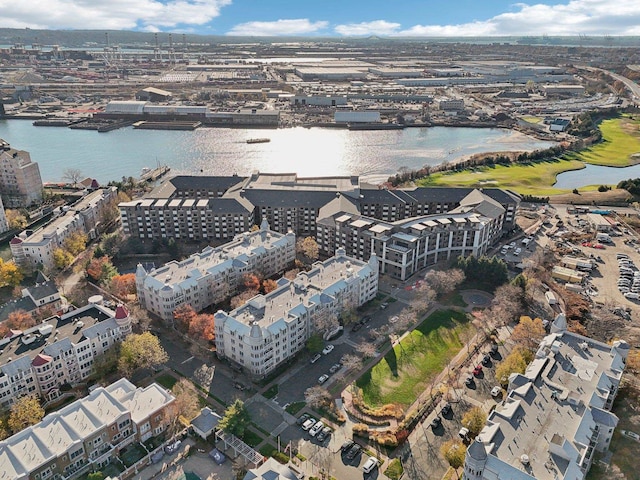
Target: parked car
335 367
347 445
496 391
356 327
316 357
309 423
323 378
478 370
365 320
463 433
469 380
354 451
324 434
370 464
394 319
302 418
494 349
446 409
383 305
328 349
313 431
486 359
517 251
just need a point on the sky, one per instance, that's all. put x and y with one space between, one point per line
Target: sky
335 18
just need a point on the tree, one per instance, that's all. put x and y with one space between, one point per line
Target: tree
10 274
184 315
315 343
444 281
62 258
528 333
366 349
20 320
453 452
317 396
308 248
251 281
203 326
633 361
236 419
101 270
516 362
110 243
140 350
72 175
474 419
76 243
26 411
506 304
351 362
325 321
269 285
123 285
95 476
187 403
242 298
16 220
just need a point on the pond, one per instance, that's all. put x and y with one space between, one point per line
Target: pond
595 175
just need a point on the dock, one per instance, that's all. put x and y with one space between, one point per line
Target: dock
154 174
146 125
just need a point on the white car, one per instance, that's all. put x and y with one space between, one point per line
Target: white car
323 378
308 424
495 391
517 251
370 464
313 431
328 349
394 319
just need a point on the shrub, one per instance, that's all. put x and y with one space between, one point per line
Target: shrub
361 430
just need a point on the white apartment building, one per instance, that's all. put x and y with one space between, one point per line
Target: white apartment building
87 434
555 416
34 249
213 275
60 350
20 181
270 329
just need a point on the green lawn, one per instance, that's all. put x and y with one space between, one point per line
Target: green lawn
532 119
621 139
166 380
403 373
533 179
394 471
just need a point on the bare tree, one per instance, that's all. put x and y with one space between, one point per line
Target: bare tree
72 175
317 396
366 349
444 281
351 362
325 321
424 299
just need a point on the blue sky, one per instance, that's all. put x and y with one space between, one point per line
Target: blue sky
338 18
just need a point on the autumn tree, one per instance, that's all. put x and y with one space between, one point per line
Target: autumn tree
101 270
62 258
515 362
236 419
183 315
453 452
20 320
187 403
269 285
25 411
291 274
528 333
16 220
10 274
633 361
308 248
203 326
317 396
242 298
76 243
474 419
251 281
140 351
123 285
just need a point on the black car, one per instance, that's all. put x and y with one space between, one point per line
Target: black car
436 422
486 359
347 445
356 327
365 320
354 451
302 418
469 380
446 409
494 349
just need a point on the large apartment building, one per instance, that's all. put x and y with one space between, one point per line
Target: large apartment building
202 208
270 329
34 249
20 181
404 247
213 275
555 416
60 350
87 434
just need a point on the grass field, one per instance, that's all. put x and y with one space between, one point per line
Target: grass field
533 179
621 139
403 373
532 119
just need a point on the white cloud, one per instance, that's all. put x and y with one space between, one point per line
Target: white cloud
147 15
577 17
377 27
298 26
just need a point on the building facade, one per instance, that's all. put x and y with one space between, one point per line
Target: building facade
215 274
20 181
270 329
60 350
555 415
4 224
87 434
406 246
35 249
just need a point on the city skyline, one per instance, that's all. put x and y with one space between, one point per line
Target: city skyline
412 18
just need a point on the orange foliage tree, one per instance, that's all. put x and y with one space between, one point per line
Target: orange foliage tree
251 281
269 285
195 325
123 285
184 315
